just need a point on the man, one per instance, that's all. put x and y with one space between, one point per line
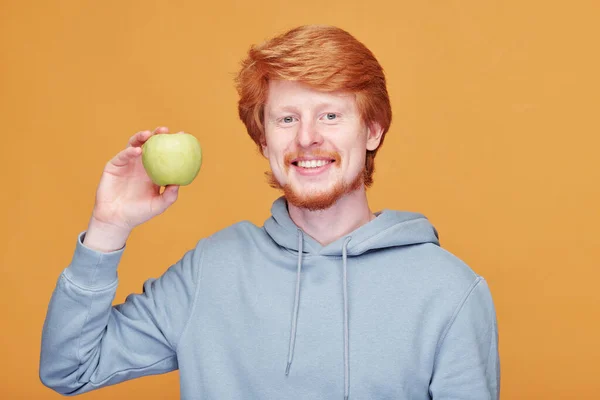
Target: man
326 300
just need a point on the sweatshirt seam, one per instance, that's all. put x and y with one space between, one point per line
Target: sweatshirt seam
457 311
88 288
369 239
200 250
305 256
490 347
493 341
103 381
364 243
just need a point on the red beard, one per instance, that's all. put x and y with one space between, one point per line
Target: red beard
315 201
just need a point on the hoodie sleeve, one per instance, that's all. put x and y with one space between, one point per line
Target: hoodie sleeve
467 364
87 343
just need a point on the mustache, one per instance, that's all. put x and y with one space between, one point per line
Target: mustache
333 155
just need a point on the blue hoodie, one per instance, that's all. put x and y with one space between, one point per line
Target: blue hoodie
269 313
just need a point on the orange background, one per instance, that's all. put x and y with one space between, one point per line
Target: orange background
494 138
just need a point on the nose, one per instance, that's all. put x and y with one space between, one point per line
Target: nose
308 134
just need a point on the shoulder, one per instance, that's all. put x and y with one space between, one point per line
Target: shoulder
447 283
441 273
445 264
240 231
240 236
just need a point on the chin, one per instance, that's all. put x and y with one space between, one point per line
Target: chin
316 200
312 201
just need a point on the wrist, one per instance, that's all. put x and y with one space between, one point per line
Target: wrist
105 237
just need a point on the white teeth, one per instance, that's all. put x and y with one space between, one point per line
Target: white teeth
313 163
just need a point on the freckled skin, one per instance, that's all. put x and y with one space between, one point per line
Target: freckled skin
303 122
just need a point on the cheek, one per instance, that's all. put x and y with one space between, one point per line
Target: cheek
278 140
356 156
276 157
272 146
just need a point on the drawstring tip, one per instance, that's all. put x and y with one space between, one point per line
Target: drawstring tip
287 369
345 397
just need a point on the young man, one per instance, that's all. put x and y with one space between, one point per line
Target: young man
326 300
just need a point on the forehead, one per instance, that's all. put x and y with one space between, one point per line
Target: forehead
286 94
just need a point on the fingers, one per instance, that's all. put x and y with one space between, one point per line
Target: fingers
140 138
125 156
134 144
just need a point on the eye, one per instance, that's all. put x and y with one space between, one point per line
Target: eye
330 116
287 120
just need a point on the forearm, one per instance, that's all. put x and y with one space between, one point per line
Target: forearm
88 343
77 318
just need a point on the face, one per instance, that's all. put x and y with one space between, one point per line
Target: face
316 144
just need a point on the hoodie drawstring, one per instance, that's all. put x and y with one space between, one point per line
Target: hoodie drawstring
296 303
346 338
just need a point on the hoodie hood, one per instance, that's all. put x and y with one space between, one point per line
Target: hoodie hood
390 229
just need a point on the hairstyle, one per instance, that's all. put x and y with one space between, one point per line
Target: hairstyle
326 58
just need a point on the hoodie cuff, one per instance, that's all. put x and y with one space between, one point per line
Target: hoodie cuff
91 268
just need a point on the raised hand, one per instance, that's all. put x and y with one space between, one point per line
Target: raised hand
126 197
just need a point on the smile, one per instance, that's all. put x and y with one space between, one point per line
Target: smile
312 163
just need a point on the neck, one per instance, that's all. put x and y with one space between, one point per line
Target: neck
326 226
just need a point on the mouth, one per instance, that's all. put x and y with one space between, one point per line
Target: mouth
311 167
312 164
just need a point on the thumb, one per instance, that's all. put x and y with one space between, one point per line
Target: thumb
168 197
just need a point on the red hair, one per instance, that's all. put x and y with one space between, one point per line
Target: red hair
324 57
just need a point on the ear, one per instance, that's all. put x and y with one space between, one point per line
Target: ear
263 147
374 134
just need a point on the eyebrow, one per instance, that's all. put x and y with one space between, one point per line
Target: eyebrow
279 109
293 109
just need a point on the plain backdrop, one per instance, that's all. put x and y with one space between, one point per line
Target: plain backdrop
494 139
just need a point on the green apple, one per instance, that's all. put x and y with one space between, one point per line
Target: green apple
172 158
